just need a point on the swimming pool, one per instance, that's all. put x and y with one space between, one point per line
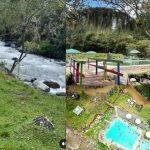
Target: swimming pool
144 145
122 134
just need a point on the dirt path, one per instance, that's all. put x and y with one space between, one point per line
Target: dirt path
95 92
137 96
76 141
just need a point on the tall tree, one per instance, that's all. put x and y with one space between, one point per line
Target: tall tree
138 9
18 16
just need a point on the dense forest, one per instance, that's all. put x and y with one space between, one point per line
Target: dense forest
36 26
93 28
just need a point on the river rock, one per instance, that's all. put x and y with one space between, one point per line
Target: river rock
13 45
132 80
7 43
52 84
61 94
40 85
28 79
15 58
28 83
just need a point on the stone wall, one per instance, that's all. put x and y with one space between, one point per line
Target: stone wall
104 17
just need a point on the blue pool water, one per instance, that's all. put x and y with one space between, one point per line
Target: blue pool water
144 145
122 134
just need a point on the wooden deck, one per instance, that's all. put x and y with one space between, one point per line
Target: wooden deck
96 81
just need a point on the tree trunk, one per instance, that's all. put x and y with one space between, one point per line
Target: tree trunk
13 67
22 51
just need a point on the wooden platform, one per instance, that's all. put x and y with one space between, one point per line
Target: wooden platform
96 81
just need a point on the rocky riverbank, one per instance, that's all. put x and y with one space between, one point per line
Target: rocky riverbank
36 71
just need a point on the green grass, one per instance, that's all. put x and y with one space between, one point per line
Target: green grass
97 55
144 89
103 146
96 129
90 110
122 101
19 105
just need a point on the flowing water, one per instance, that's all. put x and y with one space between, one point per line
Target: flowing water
33 66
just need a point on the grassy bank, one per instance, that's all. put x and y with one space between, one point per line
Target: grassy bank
19 105
144 89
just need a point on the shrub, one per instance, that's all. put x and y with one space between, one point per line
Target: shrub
70 79
46 49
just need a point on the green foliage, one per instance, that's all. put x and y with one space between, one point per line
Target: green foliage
46 49
70 79
142 45
103 146
2 64
31 47
144 89
100 40
105 40
33 21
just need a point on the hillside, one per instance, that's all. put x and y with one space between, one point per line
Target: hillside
19 106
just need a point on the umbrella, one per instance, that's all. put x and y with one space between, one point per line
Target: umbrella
148 134
128 116
72 51
91 52
137 121
134 51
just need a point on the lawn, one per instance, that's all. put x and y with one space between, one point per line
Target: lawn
144 89
19 105
90 110
122 102
104 56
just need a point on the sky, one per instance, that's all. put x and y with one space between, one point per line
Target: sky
96 3
93 3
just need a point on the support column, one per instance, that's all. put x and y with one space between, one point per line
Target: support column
77 73
71 65
96 67
105 67
88 64
73 68
118 70
81 70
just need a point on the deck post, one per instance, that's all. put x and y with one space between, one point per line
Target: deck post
81 70
105 72
71 65
118 70
77 72
88 63
96 67
73 68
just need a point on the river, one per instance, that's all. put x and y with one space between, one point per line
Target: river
33 66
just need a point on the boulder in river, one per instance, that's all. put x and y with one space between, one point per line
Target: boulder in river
28 79
28 83
40 85
61 94
7 43
15 59
13 45
52 84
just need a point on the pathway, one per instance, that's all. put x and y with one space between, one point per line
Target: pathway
76 141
